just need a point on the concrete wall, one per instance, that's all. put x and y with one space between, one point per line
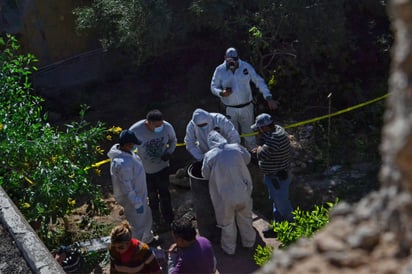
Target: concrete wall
88 67
39 25
47 29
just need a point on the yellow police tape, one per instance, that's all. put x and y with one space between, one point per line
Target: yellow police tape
320 117
96 165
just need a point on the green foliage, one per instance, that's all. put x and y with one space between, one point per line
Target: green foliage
262 254
148 29
351 138
305 223
310 58
42 168
287 41
93 259
138 27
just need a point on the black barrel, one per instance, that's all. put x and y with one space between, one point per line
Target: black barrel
205 214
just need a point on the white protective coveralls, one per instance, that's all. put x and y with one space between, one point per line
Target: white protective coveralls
196 137
230 187
130 191
239 81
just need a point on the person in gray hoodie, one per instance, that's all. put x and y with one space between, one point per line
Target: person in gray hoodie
129 185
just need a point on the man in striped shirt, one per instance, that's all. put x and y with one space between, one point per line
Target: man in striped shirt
273 154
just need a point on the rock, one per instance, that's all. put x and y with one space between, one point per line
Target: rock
365 237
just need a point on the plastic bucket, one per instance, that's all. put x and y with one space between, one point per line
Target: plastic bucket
205 214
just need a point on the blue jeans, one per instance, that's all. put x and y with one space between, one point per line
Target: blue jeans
279 195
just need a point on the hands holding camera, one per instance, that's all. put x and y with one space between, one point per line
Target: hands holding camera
226 92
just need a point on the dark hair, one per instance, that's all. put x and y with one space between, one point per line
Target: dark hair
154 115
121 233
184 228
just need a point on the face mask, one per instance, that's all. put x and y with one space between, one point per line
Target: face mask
158 129
231 62
204 127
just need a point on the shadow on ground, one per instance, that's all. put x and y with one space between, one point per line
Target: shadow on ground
242 261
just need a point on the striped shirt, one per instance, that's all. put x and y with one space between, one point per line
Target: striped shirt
274 155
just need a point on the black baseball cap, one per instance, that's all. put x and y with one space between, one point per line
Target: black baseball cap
127 136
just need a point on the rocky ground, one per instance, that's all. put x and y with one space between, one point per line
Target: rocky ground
11 259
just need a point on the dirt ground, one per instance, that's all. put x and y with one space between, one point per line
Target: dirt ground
182 201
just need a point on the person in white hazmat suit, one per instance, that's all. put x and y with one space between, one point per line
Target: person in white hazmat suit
231 84
129 185
201 124
230 187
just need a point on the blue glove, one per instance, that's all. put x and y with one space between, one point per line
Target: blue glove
140 210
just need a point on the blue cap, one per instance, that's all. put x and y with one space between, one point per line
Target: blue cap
262 120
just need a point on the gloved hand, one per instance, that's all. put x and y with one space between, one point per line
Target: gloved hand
166 156
140 210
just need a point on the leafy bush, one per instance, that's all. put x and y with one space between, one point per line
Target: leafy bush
138 27
287 41
42 168
304 225
290 44
262 254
